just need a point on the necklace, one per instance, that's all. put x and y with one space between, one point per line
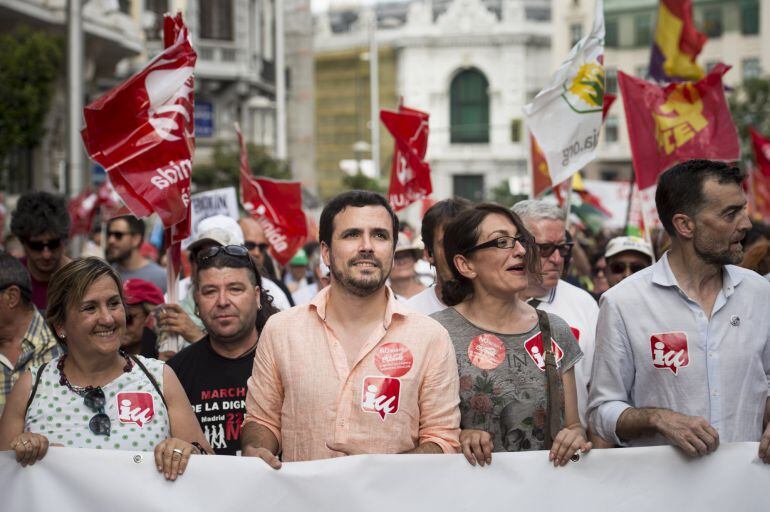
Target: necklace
83 390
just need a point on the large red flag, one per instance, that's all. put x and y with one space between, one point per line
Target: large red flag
409 173
277 206
760 192
141 132
677 123
761 151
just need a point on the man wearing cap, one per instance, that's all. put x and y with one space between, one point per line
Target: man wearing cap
626 255
354 371
403 279
321 280
683 347
141 298
296 277
552 294
434 221
25 340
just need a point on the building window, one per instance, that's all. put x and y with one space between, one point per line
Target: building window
124 6
516 130
642 30
155 9
609 174
216 19
611 33
469 114
575 33
469 186
611 80
749 17
611 129
751 69
712 21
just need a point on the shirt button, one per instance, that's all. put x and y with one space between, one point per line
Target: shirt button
714 393
711 354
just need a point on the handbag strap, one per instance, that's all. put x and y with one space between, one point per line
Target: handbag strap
553 410
32 393
151 377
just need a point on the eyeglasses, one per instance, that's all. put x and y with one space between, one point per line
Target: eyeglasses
100 424
39 246
502 242
546 250
239 251
620 267
253 245
117 235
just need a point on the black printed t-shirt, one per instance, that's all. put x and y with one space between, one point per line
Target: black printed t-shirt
216 387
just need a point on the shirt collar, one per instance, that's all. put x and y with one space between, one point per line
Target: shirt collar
38 334
393 307
664 276
549 297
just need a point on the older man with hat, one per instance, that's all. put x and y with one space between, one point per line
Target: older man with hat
404 280
141 299
626 255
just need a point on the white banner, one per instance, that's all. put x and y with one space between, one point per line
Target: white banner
629 479
221 201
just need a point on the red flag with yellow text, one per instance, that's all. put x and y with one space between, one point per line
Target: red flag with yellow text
761 147
679 122
277 207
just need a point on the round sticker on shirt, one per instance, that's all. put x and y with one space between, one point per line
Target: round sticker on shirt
486 351
393 359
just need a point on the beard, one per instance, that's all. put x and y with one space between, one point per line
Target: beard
708 250
361 286
117 256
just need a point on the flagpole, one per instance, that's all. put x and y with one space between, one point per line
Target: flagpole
630 198
374 92
568 204
75 173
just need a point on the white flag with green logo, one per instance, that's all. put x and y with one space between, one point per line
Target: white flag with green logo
566 116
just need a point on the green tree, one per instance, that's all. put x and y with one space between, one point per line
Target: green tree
223 171
501 194
30 62
361 182
750 107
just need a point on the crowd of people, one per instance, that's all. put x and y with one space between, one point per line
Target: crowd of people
494 329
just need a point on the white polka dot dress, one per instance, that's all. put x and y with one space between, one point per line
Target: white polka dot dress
138 418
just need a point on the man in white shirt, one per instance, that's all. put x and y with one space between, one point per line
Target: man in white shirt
435 220
547 222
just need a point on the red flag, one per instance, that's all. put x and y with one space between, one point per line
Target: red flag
409 173
141 132
541 180
760 191
761 151
277 206
82 209
609 99
676 123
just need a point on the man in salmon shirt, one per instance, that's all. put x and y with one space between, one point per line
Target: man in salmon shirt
354 371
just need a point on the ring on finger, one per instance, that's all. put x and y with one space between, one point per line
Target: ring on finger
178 451
25 442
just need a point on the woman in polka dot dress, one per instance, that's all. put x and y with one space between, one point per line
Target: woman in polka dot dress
96 396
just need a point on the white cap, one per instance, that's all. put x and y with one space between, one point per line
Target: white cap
221 229
404 244
628 243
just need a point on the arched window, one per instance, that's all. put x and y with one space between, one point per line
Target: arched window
469 104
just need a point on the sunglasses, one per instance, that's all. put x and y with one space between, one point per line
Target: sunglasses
546 250
503 242
620 267
38 246
238 251
100 424
117 235
253 245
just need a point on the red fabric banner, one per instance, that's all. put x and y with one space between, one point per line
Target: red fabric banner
677 123
761 147
541 180
141 132
409 173
277 207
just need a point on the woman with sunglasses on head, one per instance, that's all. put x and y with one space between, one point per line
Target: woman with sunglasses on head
517 393
96 395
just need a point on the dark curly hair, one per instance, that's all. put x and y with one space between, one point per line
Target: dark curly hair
462 233
358 199
39 213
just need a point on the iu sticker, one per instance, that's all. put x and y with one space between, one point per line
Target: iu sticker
393 359
380 395
137 408
669 351
534 347
486 351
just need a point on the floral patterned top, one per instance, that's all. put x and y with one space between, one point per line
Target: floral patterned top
502 378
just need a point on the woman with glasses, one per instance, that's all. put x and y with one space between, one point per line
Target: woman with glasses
96 395
517 393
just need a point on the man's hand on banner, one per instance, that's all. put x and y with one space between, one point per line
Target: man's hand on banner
477 446
29 448
264 454
175 320
692 434
569 442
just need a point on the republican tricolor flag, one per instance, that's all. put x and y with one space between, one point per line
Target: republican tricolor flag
676 44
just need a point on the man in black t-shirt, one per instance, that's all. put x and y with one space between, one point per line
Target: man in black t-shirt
214 370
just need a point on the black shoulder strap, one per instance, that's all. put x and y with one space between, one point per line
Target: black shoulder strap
38 376
151 377
552 392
